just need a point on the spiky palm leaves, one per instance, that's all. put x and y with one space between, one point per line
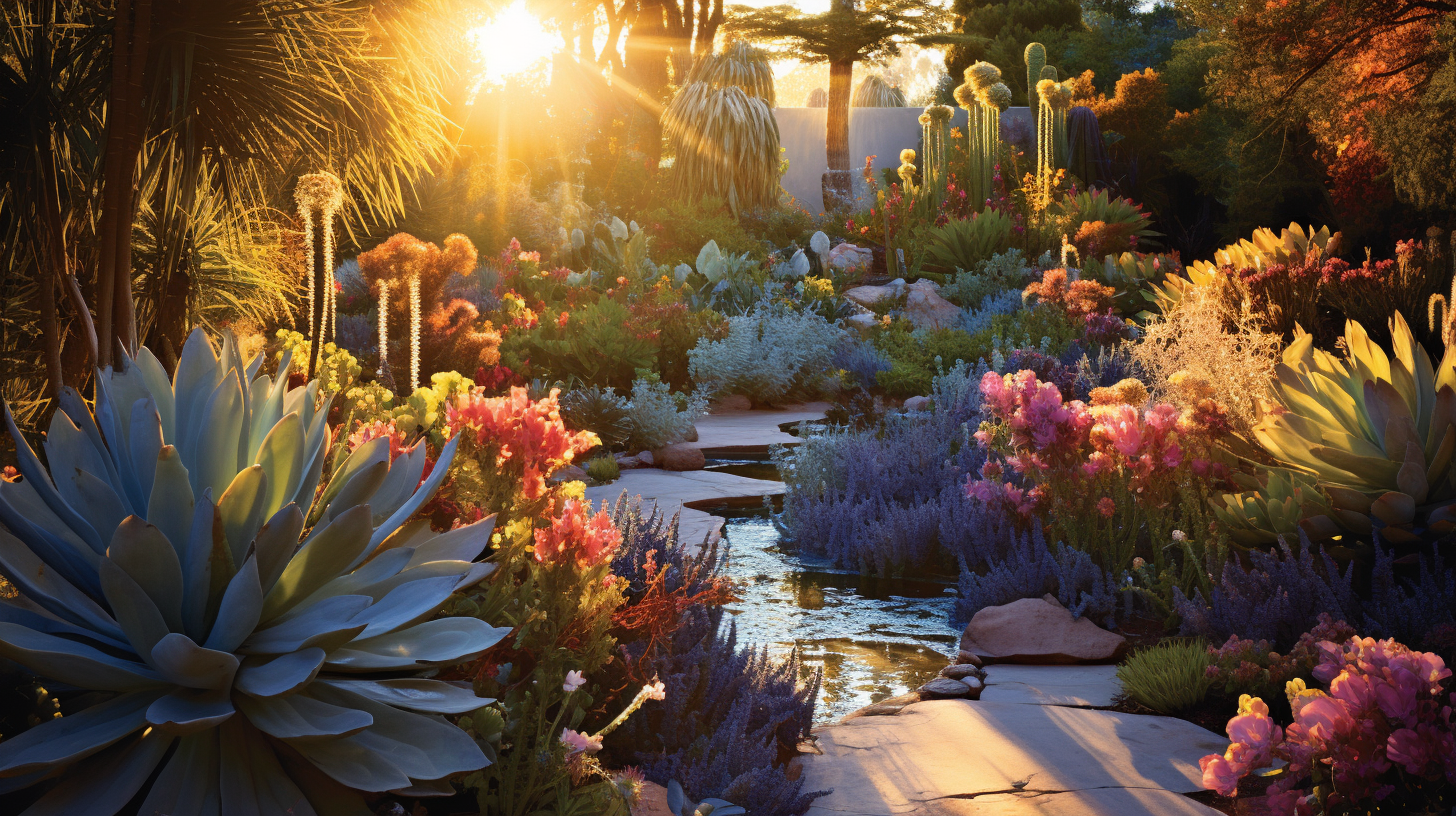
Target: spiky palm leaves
724 135
159 564
874 92
984 96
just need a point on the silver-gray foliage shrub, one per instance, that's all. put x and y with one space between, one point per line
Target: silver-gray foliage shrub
769 356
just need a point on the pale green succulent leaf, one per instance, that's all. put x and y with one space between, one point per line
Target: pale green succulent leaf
366 456
423 747
464 543
197 377
102 784
301 717
356 762
251 780
144 554
316 441
73 662
47 538
462 571
215 451
276 675
324 622
368 579
404 473
145 441
416 694
172 502
275 543
361 488
444 640
154 380
423 494
188 711
324 556
103 506
406 604
75 409
75 736
181 661
138 617
29 466
197 567
240 610
243 507
187 783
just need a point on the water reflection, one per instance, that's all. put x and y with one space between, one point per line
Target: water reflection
874 638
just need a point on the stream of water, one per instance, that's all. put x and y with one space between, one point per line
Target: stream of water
874 638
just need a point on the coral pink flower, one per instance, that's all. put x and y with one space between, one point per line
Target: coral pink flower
573 534
1219 774
579 742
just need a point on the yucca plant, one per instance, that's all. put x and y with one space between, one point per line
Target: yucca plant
1376 431
1099 205
874 92
253 649
963 244
739 65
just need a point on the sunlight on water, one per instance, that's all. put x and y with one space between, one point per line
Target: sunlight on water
874 638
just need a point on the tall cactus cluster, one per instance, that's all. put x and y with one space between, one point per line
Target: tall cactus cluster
319 196
1055 99
1035 56
935 164
984 96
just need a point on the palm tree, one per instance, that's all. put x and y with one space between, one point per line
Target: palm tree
846 34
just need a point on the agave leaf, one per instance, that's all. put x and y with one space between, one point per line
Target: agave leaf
421 495
144 554
325 624
72 662
172 504
327 554
1437 473
252 782
75 409
187 711
300 717
367 579
154 380
416 694
421 746
75 736
24 612
362 487
1320 528
404 475
1357 522
69 451
197 376
460 544
432 642
428 787
327 796
75 561
319 440
241 607
414 533
183 662
371 452
430 569
135 612
104 783
186 784
145 436
275 543
274 676
242 509
1394 508
356 762
103 506
279 456
406 604
216 446
1412 476
1347 499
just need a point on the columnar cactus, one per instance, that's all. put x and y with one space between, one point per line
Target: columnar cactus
256 644
1051 128
984 96
935 166
1035 56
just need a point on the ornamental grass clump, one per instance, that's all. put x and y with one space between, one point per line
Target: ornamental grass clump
1168 678
257 645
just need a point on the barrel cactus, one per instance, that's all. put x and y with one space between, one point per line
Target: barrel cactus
1377 432
252 648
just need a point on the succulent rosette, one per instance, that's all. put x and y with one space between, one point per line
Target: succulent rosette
254 645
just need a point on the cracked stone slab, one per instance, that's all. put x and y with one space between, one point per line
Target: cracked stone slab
749 433
1086 686
1094 802
940 751
672 490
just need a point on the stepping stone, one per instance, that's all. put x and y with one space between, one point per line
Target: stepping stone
960 671
941 756
1096 802
731 433
1087 686
944 688
1038 630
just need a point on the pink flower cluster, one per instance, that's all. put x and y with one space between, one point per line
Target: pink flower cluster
1072 444
1386 708
369 431
579 535
526 435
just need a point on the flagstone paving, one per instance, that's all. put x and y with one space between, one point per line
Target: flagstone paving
1087 686
726 434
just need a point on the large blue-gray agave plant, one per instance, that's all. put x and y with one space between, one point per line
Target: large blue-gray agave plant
159 563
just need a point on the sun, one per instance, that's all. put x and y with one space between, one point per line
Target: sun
514 42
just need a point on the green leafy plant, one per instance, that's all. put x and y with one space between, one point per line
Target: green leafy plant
659 416
603 469
962 244
1170 677
599 410
1117 212
163 567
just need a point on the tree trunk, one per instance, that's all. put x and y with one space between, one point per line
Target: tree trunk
837 184
646 66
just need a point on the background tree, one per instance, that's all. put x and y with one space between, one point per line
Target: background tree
846 34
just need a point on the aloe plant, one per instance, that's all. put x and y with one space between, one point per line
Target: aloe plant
1376 431
158 563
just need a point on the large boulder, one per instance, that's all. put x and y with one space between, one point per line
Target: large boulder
849 257
925 308
1038 630
679 457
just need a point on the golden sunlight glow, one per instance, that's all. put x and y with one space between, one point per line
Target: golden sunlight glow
514 42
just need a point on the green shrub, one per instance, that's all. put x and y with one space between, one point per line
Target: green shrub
599 410
964 244
784 224
603 469
1004 270
1168 678
916 357
661 417
680 228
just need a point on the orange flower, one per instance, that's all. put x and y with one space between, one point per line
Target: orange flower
575 534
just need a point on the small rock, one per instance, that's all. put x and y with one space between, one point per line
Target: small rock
961 671
653 801
876 710
976 685
1036 630
849 257
917 404
679 457
944 688
896 286
570 473
625 462
645 459
868 295
964 656
864 321
692 434
925 308
731 402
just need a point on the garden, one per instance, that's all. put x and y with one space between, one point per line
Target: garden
867 407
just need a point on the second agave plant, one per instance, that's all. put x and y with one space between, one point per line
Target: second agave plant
250 649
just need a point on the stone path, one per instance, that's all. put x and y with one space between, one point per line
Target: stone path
726 434
1028 746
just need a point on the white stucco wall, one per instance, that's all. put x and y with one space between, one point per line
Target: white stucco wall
879 132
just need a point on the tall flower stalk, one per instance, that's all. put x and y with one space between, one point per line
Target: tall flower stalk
320 196
414 301
935 167
1051 129
984 96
